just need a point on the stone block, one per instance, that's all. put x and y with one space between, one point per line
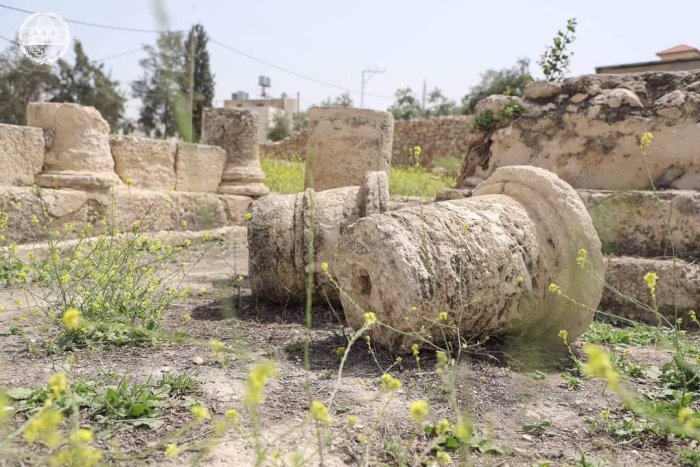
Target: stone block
145 162
21 154
199 167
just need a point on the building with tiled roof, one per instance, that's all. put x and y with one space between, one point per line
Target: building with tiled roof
679 58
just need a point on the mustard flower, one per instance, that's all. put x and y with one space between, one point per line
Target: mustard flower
419 410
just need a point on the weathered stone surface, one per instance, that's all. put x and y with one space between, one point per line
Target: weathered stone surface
595 143
283 227
447 194
626 274
158 210
21 154
199 167
79 155
236 131
145 162
542 90
438 137
496 103
344 144
615 98
630 222
486 260
578 98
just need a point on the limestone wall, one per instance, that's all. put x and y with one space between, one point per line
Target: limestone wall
438 137
83 171
587 130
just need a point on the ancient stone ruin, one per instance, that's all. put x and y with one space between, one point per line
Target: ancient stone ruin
487 261
587 130
344 144
236 130
68 150
288 234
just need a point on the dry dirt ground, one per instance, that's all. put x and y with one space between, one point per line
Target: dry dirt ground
500 399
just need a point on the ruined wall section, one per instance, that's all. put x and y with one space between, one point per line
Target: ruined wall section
439 137
587 130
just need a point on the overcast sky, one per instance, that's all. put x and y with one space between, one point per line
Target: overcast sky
446 42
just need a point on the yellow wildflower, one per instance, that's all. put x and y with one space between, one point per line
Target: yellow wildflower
352 420
390 383
171 450
419 410
581 258
58 384
216 345
248 216
415 350
554 288
650 278
599 365
564 335
319 412
71 319
231 416
324 266
200 412
646 140
370 318
443 458
442 427
257 379
81 436
442 316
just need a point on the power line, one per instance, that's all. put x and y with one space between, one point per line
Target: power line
221 44
293 73
93 25
9 40
128 52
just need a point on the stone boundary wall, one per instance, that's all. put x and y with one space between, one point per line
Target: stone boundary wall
587 130
153 164
438 137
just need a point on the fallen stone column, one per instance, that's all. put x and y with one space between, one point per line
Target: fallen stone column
78 146
487 261
344 144
282 228
236 131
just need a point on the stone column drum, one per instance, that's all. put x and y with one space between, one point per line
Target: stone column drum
344 144
487 261
236 131
78 154
282 227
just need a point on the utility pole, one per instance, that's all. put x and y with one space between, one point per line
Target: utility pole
425 85
369 72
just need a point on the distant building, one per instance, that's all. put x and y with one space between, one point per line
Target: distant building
679 58
266 108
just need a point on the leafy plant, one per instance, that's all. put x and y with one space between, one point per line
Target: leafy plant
537 428
178 384
484 121
556 58
511 111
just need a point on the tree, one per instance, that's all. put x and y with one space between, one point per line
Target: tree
407 105
280 127
22 81
86 83
439 105
510 81
343 100
200 80
555 60
164 108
